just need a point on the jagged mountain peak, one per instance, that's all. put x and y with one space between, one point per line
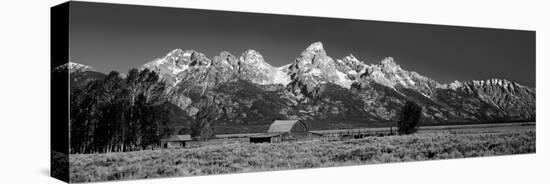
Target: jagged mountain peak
254 68
389 64
350 64
315 55
494 81
312 69
388 61
314 85
316 47
501 83
178 54
179 65
253 57
388 73
177 61
351 58
225 58
251 52
484 83
176 51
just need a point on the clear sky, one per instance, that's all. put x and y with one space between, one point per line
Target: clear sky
119 37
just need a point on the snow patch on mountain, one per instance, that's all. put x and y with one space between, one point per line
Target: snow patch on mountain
315 72
343 80
280 76
177 70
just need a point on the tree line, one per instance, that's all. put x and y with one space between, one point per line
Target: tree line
116 114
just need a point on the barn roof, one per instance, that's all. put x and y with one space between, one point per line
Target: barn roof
284 125
178 138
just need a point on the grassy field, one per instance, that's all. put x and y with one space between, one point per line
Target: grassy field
242 157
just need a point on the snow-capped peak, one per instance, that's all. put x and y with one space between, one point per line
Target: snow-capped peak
496 82
74 67
454 85
254 58
317 46
388 62
175 62
175 52
178 55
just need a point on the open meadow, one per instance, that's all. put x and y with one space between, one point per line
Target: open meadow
245 157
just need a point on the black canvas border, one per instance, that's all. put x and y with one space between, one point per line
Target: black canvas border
59 92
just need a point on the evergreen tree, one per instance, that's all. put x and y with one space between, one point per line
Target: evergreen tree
410 118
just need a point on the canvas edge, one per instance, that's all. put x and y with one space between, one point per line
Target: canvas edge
59 92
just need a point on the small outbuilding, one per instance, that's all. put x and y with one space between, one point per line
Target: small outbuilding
283 130
176 141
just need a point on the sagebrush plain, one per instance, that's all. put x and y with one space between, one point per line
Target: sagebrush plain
240 157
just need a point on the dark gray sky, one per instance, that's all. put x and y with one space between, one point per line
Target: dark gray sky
118 37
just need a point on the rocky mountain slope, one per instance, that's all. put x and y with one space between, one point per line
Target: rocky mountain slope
247 93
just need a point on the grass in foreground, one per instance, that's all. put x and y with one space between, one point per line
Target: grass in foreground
261 157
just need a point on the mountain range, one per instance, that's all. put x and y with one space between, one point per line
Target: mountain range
248 93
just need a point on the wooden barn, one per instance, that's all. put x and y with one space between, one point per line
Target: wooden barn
176 141
284 130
